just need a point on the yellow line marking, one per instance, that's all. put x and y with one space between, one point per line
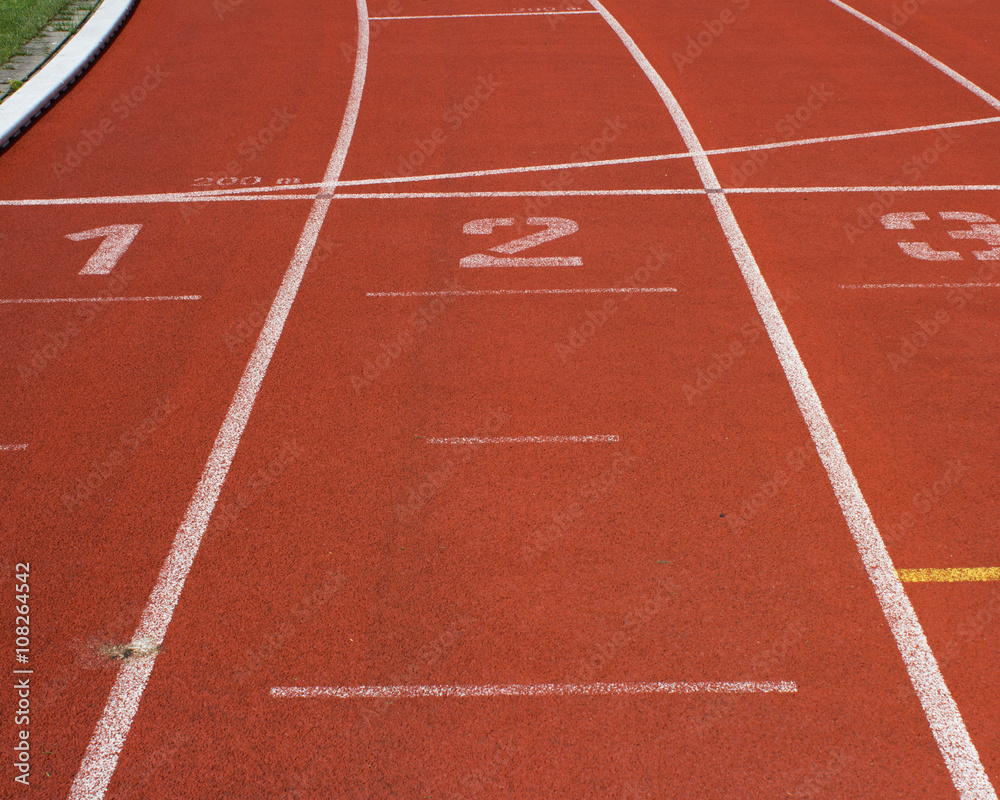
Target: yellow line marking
949 575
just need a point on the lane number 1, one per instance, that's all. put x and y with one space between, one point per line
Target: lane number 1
555 228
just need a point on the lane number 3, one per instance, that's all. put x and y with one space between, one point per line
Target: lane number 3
982 228
555 228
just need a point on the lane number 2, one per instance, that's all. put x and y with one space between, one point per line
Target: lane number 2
982 228
555 228
117 239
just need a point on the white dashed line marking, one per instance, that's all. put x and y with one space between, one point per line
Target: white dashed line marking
917 285
487 292
101 299
520 439
534 690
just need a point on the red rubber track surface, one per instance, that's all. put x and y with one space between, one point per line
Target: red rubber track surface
350 548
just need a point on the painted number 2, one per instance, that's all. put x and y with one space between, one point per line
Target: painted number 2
117 238
555 228
981 228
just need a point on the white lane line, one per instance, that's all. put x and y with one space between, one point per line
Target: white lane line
162 197
540 193
101 758
647 159
480 173
485 173
521 439
496 14
183 197
487 292
533 690
982 187
852 136
982 94
916 285
945 720
4 301
13 447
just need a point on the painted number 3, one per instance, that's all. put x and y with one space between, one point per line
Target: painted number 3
555 228
981 228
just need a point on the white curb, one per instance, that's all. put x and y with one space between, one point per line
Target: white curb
20 108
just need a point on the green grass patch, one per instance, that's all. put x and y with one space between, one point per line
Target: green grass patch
20 20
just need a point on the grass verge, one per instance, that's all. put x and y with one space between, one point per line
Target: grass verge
20 20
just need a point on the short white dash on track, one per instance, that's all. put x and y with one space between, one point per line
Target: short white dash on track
980 187
101 299
533 690
488 292
496 14
520 439
918 285
12 447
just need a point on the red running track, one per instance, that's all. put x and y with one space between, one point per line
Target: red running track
591 513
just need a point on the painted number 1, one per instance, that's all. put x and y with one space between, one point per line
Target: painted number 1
555 228
117 238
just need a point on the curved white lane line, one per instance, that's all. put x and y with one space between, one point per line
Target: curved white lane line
101 758
943 715
981 93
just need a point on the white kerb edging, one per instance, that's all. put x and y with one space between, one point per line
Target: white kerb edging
62 69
